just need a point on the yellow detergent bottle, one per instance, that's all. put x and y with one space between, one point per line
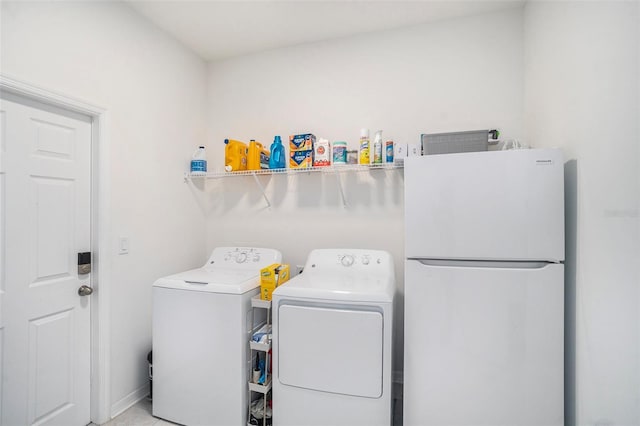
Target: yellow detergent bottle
235 155
257 157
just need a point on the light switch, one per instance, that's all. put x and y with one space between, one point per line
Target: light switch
124 245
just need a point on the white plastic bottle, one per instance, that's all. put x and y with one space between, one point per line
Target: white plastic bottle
377 148
199 161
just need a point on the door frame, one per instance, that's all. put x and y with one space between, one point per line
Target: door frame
100 226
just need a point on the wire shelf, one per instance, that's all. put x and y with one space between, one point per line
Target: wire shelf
326 169
336 171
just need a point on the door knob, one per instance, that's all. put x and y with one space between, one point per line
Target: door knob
85 290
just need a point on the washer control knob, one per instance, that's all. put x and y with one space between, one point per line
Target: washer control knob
365 260
347 260
241 257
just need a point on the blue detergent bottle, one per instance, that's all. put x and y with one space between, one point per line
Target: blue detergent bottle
276 161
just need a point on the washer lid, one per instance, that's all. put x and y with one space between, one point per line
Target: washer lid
216 280
339 286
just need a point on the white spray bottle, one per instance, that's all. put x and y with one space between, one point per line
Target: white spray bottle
377 148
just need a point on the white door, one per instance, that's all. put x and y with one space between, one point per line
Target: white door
331 350
484 345
45 221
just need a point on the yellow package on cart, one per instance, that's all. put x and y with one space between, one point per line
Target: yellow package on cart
271 277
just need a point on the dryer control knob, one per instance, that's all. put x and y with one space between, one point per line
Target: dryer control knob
347 260
241 257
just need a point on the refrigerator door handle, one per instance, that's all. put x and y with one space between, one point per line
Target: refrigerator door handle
500 264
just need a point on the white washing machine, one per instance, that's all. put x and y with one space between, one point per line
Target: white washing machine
332 341
201 327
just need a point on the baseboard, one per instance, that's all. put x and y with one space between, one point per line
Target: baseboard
129 400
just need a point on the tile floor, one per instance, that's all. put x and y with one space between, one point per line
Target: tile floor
138 415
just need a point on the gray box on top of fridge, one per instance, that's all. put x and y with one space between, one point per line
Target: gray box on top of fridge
484 289
454 142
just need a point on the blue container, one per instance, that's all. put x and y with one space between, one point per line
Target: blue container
277 160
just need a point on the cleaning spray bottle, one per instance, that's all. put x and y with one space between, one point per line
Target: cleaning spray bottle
364 147
277 160
377 148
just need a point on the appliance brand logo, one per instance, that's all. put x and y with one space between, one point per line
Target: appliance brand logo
544 162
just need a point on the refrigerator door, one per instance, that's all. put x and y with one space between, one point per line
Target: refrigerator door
485 205
483 345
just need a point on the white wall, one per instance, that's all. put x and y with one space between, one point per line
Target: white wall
580 80
154 91
582 91
463 74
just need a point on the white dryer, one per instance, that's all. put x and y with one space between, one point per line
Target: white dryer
332 340
201 328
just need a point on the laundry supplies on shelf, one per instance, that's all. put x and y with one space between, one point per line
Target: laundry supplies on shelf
339 152
301 150
364 147
199 161
235 155
257 156
322 153
301 159
277 159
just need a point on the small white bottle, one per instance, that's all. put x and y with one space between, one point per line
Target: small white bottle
377 148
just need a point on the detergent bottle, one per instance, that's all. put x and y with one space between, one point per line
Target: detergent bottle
257 157
235 155
277 160
199 161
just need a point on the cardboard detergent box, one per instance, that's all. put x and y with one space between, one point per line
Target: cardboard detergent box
271 277
301 159
322 153
304 142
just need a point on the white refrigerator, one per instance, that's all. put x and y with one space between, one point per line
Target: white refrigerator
484 289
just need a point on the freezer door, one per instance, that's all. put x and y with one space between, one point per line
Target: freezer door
485 205
483 346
